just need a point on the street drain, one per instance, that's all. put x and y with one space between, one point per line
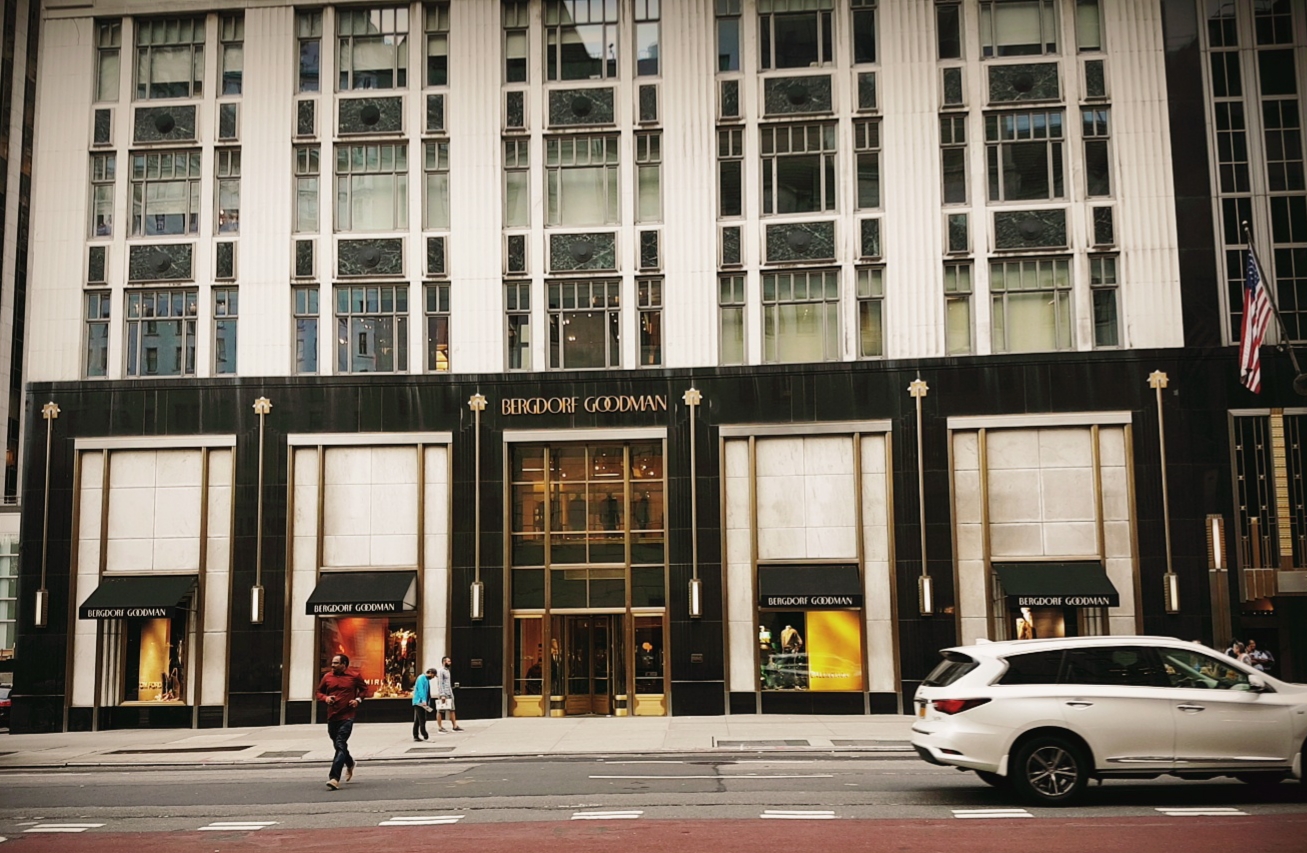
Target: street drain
285 753
177 750
748 744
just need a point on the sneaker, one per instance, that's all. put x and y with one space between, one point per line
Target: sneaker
458 728
349 773
333 784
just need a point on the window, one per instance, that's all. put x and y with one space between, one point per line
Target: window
306 329
228 162
648 174
730 172
226 304
581 38
582 180
794 33
371 187
161 332
801 312
585 325
1098 180
730 316
372 329
517 182
382 648
169 58
1194 669
1089 25
165 193
155 656
1033 668
728 34
953 155
1031 305
517 303
436 169
957 309
437 313
231 52
647 31
1018 27
798 168
948 30
308 32
864 30
810 650
871 312
102 181
306 189
649 298
437 28
1129 666
866 142
373 48
517 30
97 332
1024 152
108 59
1103 290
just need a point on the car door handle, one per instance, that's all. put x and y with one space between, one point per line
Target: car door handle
1192 707
1079 703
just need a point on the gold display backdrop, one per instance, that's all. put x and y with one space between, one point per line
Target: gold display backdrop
834 646
155 642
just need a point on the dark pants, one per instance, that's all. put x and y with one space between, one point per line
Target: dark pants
339 732
419 722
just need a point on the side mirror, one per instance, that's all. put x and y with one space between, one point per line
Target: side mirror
1258 684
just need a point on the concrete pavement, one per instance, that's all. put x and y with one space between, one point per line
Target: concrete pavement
480 739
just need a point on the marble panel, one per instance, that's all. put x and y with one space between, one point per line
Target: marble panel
580 107
377 256
1065 448
88 557
743 637
346 550
828 455
973 588
219 466
130 469
648 104
394 465
738 543
829 501
779 457
806 95
393 551
970 541
831 543
348 465
737 458
371 115
217 596
1071 539
347 509
880 657
173 123
738 516
176 555
1030 229
304 559
394 510
95 264
878 589
177 468
873 454
177 512
515 109
218 558
1016 540
800 241
306 467
973 628
437 551
1011 448
875 506
306 118
730 99
781 543
1116 495
875 542
219 510
966 455
1117 540
1014 496
160 262
215 667
129 555
303 667
1031 81
780 502
731 249
1068 494
1111 446
575 252
131 514
437 509
1122 625
306 511
740 603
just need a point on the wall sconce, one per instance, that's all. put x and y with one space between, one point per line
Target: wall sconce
926 595
477 403
692 398
1218 582
925 586
1171 591
49 411
478 600
262 407
696 598
256 604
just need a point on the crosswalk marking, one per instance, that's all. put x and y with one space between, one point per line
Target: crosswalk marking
421 820
1201 811
238 825
63 827
771 814
631 814
990 813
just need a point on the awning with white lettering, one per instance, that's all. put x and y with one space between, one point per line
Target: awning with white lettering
809 587
363 594
1057 584
139 596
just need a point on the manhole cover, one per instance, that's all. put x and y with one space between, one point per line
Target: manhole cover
177 750
285 753
431 749
746 744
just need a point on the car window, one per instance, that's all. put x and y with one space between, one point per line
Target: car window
1126 666
1186 668
950 669
1033 668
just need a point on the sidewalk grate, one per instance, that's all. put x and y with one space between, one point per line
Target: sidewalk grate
285 753
177 750
895 745
430 749
744 744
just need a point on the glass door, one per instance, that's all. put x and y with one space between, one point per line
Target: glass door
587 664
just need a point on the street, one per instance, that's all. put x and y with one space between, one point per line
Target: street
729 802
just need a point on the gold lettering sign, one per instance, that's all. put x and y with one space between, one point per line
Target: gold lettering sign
601 403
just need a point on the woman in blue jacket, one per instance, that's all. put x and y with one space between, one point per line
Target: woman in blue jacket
422 703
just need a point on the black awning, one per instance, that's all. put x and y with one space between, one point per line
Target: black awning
809 587
148 596
363 593
1062 584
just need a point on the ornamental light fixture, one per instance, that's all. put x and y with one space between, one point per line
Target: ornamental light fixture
692 399
1170 582
262 407
925 585
49 412
477 594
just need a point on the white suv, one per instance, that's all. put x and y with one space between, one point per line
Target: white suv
1044 716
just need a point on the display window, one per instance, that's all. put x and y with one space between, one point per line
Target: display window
816 650
383 649
154 663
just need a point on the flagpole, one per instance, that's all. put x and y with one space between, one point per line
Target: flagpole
1299 380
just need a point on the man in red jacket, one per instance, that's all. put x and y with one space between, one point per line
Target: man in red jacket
343 692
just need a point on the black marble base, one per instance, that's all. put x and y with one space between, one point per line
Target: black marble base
698 698
743 703
253 709
210 717
808 702
298 713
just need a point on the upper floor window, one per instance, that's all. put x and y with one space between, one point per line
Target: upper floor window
228 162
517 181
371 187
1103 289
306 189
1089 25
438 44
649 297
98 306
517 31
517 307
165 193
728 34
373 48
1031 305
948 30
231 52
437 317
161 332
957 308
1018 27
582 180
102 183
436 169
108 59
225 311
871 312
169 58
864 30
308 32
731 303
581 38
795 33
648 174
730 172
866 141
1098 178
647 32
1024 155
801 316
585 325
305 310
798 168
372 329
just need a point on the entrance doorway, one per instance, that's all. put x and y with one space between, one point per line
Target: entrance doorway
592 651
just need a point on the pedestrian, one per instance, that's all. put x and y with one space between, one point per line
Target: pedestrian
1235 650
1260 658
443 688
343 691
422 703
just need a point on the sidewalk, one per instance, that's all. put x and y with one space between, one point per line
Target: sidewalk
481 739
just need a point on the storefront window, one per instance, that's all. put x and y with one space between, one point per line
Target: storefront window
383 649
649 654
528 676
817 650
154 665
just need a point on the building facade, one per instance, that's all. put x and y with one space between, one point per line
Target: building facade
681 357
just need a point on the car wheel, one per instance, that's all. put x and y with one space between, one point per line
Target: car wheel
1263 783
1049 771
994 779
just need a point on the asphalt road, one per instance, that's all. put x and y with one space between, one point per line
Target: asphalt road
648 803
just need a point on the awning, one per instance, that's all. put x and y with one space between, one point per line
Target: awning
363 593
809 587
144 596
1078 584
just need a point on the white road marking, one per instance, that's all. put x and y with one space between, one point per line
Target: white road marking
1201 811
63 827
421 820
237 825
745 776
990 813
622 815
771 814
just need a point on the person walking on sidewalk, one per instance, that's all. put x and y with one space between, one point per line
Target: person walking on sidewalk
443 688
343 691
422 703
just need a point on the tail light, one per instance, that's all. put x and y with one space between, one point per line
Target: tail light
957 706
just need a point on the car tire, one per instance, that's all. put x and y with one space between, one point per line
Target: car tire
1049 771
994 779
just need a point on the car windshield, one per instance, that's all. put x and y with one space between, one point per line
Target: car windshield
950 669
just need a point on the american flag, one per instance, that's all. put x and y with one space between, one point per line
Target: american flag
1256 314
